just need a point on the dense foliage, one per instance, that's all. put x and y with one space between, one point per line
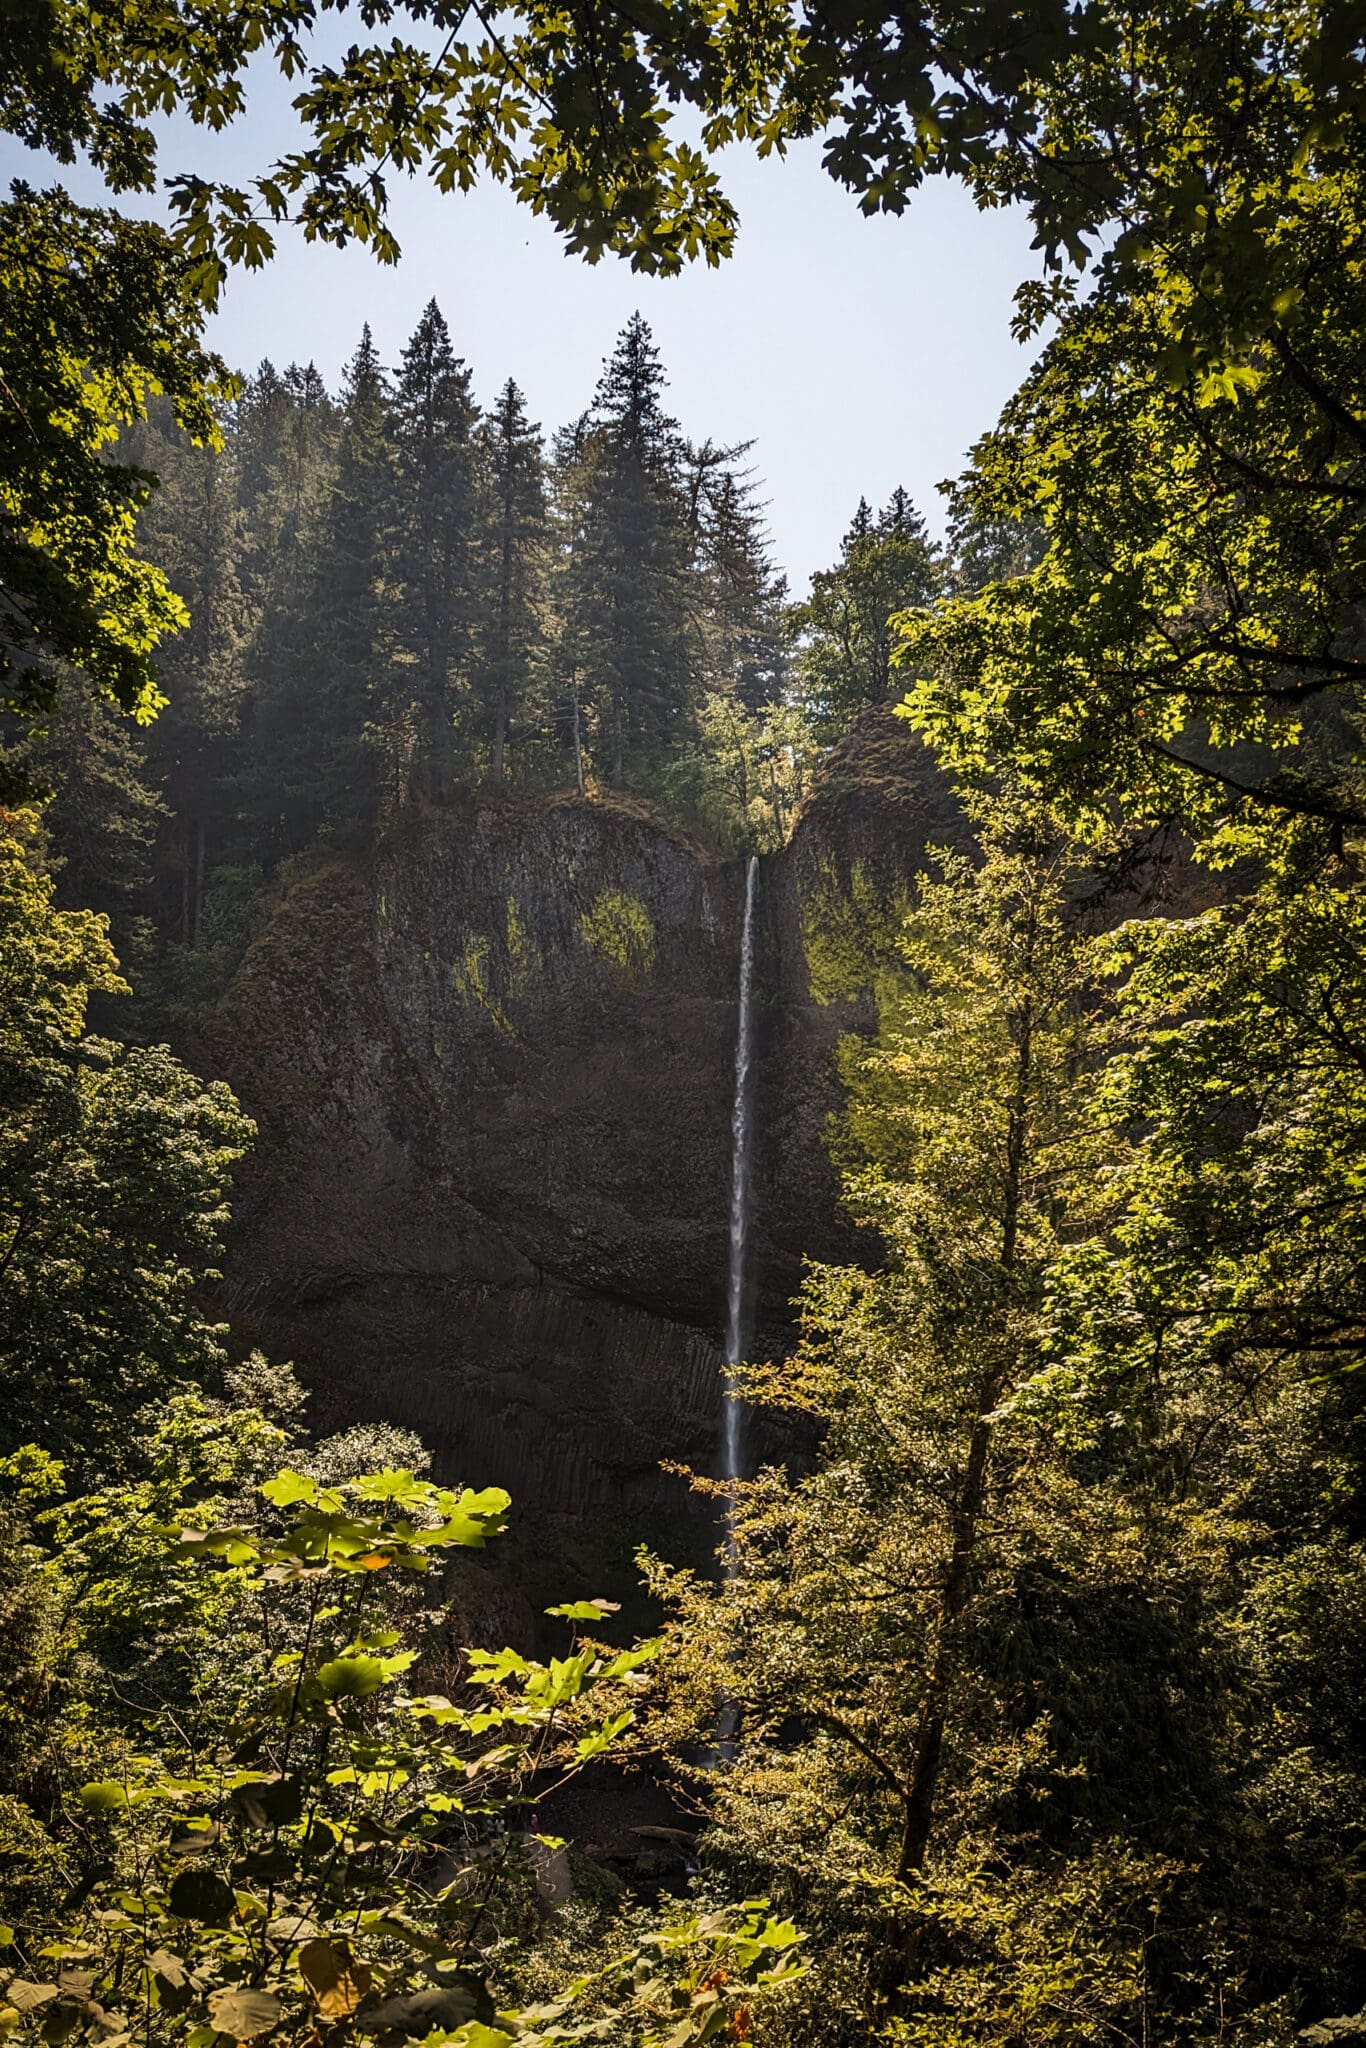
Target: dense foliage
114 1171
1040 1674
283 1838
91 323
1022 1670
1041 1682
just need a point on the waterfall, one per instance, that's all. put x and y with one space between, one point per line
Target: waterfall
740 1138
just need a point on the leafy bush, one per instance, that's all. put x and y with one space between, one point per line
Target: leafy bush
310 1849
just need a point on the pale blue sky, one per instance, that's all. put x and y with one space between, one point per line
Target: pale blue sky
857 354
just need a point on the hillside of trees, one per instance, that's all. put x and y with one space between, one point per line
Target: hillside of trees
398 600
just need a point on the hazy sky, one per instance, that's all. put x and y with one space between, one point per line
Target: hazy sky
856 354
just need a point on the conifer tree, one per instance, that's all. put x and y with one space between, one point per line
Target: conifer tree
515 541
988 547
628 405
287 430
438 507
744 592
347 599
569 650
287 456
195 530
257 419
626 588
722 766
100 822
845 639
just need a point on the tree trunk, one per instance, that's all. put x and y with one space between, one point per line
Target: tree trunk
440 742
500 714
578 738
929 1748
618 737
923 1783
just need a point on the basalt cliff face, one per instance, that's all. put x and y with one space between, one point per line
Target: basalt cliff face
492 1069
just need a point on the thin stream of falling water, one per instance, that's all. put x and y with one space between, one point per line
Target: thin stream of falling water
741 1148
728 1719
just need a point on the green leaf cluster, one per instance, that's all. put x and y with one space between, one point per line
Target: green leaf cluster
115 1162
305 1843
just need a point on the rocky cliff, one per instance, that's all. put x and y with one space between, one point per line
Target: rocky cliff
492 1068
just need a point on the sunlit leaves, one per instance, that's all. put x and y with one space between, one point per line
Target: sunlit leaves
579 114
276 1863
288 1487
415 1519
1192 442
244 2014
94 320
1245 1197
599 1740
350 1677
124 1155
108 1796
337 1980
1192 601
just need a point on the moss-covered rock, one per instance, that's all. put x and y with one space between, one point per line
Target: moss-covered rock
619 930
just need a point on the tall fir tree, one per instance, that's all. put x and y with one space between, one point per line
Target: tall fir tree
287 459
287 431
515 543
435 534
723 769
568 652
627 590
195 530
349 597
744 593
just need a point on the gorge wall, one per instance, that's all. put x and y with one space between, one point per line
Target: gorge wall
492 1068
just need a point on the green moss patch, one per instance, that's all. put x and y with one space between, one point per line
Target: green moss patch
850 928
618 929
